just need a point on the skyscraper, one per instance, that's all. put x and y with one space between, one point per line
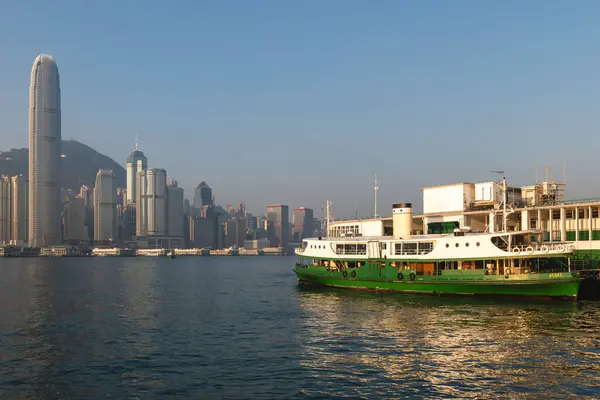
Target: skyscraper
44 153
202 196
135 163
303 223
104 206
174 210
156 191
278 227
19 209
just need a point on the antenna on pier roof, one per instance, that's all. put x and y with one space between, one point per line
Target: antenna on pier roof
375 190
137 142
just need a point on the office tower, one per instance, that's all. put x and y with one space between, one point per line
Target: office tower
75 230
278 225
156 192
104 206
19 210
136 163
174 210
5 219
303 223
141 207
202 196
44 153
186 207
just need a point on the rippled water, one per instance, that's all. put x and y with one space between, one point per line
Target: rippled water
241 328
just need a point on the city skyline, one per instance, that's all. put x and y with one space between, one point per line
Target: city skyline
270 82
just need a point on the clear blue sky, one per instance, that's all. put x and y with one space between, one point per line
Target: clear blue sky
297 102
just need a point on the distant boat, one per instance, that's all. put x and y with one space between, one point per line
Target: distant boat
172 254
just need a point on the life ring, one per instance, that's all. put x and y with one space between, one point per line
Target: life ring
529 250
411 276
544 249
400 276
353 274
345 273
516 250
560 248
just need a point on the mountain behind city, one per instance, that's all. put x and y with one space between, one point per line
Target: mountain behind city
79 165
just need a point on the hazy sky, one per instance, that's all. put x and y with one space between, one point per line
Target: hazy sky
298 102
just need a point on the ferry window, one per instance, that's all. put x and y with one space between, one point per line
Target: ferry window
384 246
409 248
361 249
569 214
580 214
339 248
533 223
594 213
556 214
477 244
425 247
398 248
467 244
456 244
447 245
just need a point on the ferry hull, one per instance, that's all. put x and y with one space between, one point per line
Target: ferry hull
543 289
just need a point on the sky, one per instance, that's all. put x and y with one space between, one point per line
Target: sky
298 102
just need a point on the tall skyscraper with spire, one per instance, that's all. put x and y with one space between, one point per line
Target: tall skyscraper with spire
136 163
44 153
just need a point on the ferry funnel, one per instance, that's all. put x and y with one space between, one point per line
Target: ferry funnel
402 220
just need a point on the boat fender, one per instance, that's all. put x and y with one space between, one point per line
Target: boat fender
529 249
411 276
560 248
544 249
353 274
345 273
516 250
400 276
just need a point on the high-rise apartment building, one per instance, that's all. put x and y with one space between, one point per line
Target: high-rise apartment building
104 206
44 153
278 225
136 163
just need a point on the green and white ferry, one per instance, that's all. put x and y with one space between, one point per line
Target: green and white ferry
507 263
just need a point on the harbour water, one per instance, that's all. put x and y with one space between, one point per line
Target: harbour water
241 328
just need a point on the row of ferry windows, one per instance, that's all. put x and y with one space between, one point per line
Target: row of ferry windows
466 244
412 248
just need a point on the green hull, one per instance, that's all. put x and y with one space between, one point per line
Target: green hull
547 286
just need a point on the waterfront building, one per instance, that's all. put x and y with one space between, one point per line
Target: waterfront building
44 153
478 208
19 210
5 218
